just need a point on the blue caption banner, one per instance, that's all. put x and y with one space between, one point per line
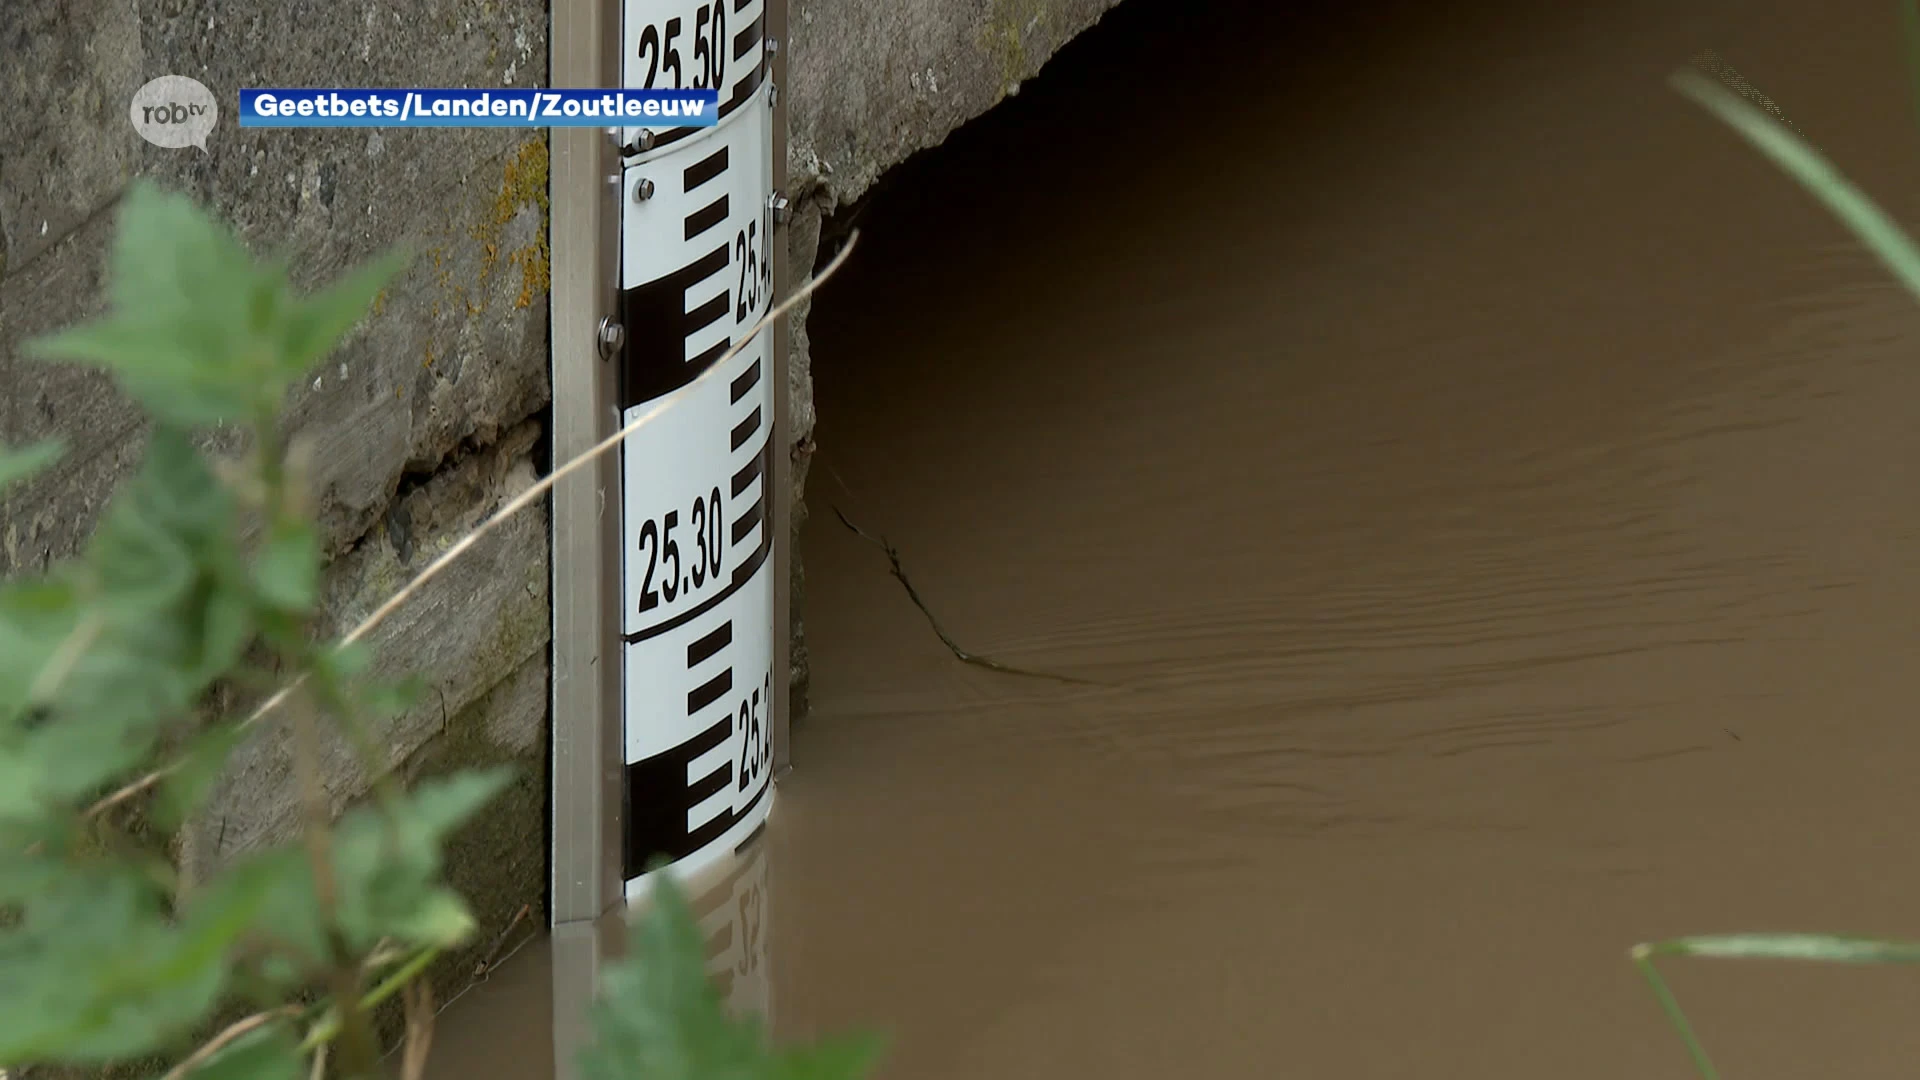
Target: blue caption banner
403 108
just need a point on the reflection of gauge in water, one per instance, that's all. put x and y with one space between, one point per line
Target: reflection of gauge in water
695 276
733 916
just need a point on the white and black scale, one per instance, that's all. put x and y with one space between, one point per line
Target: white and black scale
698 214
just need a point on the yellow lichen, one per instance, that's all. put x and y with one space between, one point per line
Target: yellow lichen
1004 36
523 185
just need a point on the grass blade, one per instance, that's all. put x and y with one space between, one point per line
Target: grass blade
1643 959
1910 39
1822 948
1880 233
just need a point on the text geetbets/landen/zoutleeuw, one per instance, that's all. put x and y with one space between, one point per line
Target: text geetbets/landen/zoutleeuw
477 108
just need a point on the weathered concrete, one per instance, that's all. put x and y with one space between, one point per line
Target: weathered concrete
422 422
873 83
456 350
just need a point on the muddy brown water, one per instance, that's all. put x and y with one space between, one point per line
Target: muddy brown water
1481 495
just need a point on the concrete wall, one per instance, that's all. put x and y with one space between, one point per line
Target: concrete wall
431 414
424 421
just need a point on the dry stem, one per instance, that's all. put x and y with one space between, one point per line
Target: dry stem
227 1035
420 1015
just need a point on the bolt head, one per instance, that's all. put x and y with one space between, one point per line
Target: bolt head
612 336
643 190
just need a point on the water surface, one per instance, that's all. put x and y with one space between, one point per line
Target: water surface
1480 493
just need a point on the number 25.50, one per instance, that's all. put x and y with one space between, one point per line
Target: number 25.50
660 49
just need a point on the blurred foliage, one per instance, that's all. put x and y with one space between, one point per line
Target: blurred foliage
204 573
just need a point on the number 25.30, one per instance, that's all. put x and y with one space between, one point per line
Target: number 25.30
661 550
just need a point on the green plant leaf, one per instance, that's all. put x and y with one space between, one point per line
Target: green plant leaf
162 528
441 920
345 661
167 366
659 1016
287 570
35 617
19 463
386 699
276 887
387 870
389 867
144 568
93 971
848 1057
196 770
194 330
23 876
171 255
1861 215
319 321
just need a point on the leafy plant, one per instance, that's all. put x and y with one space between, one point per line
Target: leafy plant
660 1018
1888 242
203 581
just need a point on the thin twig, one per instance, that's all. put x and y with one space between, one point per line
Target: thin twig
227 1035
313 805
329 1023
965 657
493 954
317 818
420 1016
66 656
319 1063
513 506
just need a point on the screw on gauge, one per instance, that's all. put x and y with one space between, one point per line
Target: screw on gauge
641 143
611 337
780 206
643 190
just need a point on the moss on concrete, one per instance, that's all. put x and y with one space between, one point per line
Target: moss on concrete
498 861
1009 24
523 184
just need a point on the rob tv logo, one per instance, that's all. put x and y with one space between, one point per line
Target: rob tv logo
174 111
